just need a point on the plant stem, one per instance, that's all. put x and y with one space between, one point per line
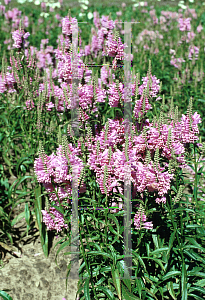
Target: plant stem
195 181
86 264
106 222
175 228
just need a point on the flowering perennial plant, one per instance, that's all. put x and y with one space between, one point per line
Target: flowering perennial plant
150 159
150 152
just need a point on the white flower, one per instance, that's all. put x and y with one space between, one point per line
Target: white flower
182 6
54 5
84 2
140 3
90 15
21 1
81 14
191 1
37 2
43 14
83 6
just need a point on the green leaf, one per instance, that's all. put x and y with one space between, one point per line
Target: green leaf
184 282
197 288
10 237
21 180
27 160
155 240
126 295
196 297
107 292
174 189
100 253
200 283
7 161
194 256
140 260
156 260
5 119
27 214
18 106
194 242
86 289
5 296
59 209
113 254
171 290
201 100
139 287
117 281
159 250
171 241
171 274
124 273
18 218
38 214
117 234
101 281
106 269
63 245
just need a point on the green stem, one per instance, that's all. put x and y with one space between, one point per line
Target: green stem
195 181
106 222
86 264
175 227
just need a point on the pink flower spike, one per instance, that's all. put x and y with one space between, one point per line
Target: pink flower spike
199 28
26 35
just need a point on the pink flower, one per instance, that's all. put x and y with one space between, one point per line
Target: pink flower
184 24
123 5
17 36
171 51
29 105
7 1
49 106
2 8
156 51
191 35
43 5
160 200
193 50
140 221
56 223
199 28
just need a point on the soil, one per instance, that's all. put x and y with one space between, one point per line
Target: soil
33 276
25 271
28 274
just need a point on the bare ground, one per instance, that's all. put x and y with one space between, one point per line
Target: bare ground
30 275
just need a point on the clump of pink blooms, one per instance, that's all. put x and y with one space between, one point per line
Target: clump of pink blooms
184 24
19 37
193 50
105 150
